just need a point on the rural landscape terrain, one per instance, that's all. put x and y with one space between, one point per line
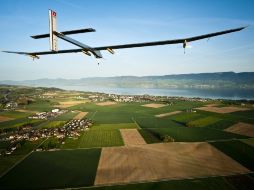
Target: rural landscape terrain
53 139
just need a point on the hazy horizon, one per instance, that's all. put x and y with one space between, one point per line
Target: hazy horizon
127 76
118 22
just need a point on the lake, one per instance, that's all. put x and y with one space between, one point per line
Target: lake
233 94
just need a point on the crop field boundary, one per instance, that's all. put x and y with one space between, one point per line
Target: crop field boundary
133 160
23 158
136 123
94 113
152 181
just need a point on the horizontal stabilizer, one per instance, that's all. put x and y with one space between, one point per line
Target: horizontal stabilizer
66 33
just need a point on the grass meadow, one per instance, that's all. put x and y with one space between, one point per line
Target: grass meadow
59 169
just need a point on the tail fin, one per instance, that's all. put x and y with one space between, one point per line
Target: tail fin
52 29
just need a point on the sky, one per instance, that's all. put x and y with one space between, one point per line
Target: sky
120 22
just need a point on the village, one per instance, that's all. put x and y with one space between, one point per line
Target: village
99 97
70 129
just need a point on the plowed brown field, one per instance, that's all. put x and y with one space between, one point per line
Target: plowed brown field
163 161
132 137
242 129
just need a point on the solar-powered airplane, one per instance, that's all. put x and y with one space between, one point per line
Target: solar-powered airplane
88 50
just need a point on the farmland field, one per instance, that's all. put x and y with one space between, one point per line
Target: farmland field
15 114
132 137
203 122
168 114
4 118
95 138
154 142
20 122
153 161
148 136
40 106
221 124
211 183
229 109
105 103
80 115
114 126
8 161
185 134
67 104
153 122
66 116
112 117
52 124
242 129
241 152
54 168
249 141
186 117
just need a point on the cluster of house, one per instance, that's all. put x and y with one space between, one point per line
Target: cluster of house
71 129
11 105
47 115
76 125
98 97
117 98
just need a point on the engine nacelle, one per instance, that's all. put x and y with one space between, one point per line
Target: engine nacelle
185 44
86 52
110 50
34 56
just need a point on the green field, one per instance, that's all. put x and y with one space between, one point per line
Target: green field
112 117
72 161
197 134
149 137
52 124
15 114
50 143
58 169
249 141
114 126
239 151
66 116
185 117
95 138
20 122
40 105
153 122
203 121
211 183
8 161
221 124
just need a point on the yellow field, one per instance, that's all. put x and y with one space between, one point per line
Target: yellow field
105 103
154 105
242 129
228 109
67 104
211 105
132 137
4 118
168 114
26 111
163 161
80 115
49 94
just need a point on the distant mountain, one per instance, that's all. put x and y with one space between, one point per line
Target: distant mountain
201 80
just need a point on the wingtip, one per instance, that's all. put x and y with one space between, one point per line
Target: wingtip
245 26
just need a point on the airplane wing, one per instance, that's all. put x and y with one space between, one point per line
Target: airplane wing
166 42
